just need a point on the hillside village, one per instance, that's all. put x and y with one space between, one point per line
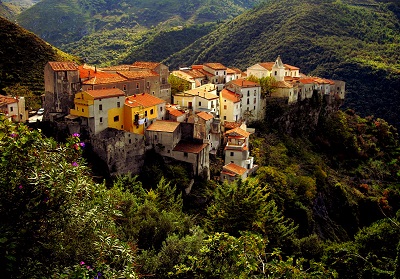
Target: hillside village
124 111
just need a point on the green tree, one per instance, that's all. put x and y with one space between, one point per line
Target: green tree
53 215
268 85
178 84
245 206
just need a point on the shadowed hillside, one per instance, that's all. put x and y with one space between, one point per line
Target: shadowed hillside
23 56
112 29
356 43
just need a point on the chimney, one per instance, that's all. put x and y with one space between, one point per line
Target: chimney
89 75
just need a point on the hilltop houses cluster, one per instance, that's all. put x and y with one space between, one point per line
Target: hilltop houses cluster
187 126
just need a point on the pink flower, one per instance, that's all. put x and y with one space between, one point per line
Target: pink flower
76 135
75 164
20 187
81 262
82 144
13 135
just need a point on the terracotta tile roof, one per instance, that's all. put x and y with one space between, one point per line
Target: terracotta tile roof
195 73
197 67
233 168
215 66
202 92
90 76
104 80
138 74
307 80
229 95
143 100
244 83
163 126
283 84
323 81
116 68
233 70
189 147
206 116
231 125
63 66
175 112
7 100
205 73
290 67
105 93
267 65
238 132
145 65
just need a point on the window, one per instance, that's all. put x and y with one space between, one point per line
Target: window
145 113
224 117
199 103
11 109
130 140
255 92
148 84
248 101
224 106
100 107
137 85
101 119
248 93
168 151
255 100
160 108
116 118
155 137
124 88
232 154
276 73
163 81
118 104
185 154
151 111
83 110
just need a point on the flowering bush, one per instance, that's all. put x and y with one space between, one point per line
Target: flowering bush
52 214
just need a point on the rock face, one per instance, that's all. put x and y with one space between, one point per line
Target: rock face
300 118
122 152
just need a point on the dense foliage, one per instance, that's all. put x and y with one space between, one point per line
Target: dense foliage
322 206
105 32
23 57
354 41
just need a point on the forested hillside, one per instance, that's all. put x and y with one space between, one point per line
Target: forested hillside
322 206
23 56
355 41
116 27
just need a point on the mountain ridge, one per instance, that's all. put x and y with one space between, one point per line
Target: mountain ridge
358 44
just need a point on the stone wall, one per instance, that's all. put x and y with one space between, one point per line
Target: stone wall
122 151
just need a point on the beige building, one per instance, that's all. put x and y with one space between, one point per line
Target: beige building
165 137
100 109
61 83
250 98
276 69
230 106
160 87
13 108
231 172
203 98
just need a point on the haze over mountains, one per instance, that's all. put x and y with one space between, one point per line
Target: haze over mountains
354 40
